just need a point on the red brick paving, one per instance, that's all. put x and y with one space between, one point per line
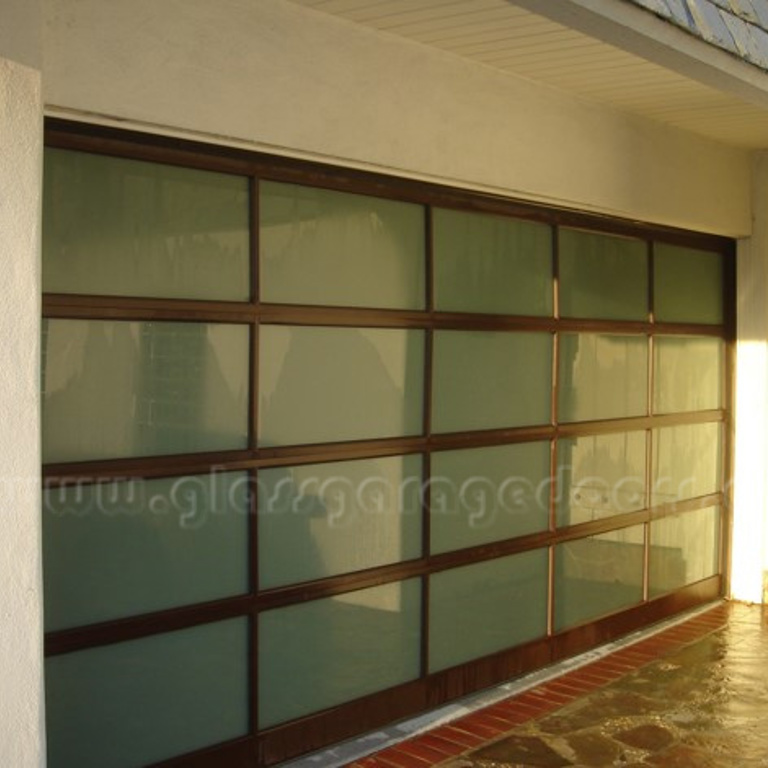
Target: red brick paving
471 731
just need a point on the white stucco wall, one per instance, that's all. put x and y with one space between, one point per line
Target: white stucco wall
750 519
287 79
22 743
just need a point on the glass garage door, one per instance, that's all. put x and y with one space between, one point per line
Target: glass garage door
324 449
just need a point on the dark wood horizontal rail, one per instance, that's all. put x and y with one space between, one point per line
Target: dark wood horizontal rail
85 472
116 308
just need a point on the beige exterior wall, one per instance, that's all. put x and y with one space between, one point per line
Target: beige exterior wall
286 79
22 744
750 532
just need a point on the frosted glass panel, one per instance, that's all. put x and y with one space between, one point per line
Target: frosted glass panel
325 652
687 285
490 380
488 494
602 276
139 702
684 549
319 520
686 462
688 374
480 609
598 575
323 247
120 389
600 476
321 385
127 228
117 549
491 264
602 376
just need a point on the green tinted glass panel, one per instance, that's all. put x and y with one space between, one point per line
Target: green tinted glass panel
688 374
117 549
323 247
602 376
487 380
600 476
319 520
602 276
322 385
687 285
491 264
325 652
120 389
488 494
684 549
139 702
598 575
686 462
128 228
480 609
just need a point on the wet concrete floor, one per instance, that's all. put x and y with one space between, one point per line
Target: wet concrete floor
704 705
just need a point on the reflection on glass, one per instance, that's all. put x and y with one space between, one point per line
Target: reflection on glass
687 285
684 549
602 276
143 701
120 389
483 608
490 380
688 373
482 495
322 653
598 575
322 385
323 247
686 462
124 548
602 376
121 227
320 520
600 476
491 264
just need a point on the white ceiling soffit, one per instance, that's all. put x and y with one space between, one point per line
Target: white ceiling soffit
659 71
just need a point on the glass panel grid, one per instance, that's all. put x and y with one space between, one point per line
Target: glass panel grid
142 701
600 476
322 385
332 248
117 549
481 495
687 462
488 380
337 649
684 549
598 575
688 373
338 517
335 394
491 264
688 285
602 376
483 608
602 276
116 389
121 227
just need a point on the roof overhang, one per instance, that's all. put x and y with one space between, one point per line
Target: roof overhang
608 51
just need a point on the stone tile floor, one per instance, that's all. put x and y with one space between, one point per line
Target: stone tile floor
692 696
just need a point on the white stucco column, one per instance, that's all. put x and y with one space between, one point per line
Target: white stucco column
750 531
22 741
